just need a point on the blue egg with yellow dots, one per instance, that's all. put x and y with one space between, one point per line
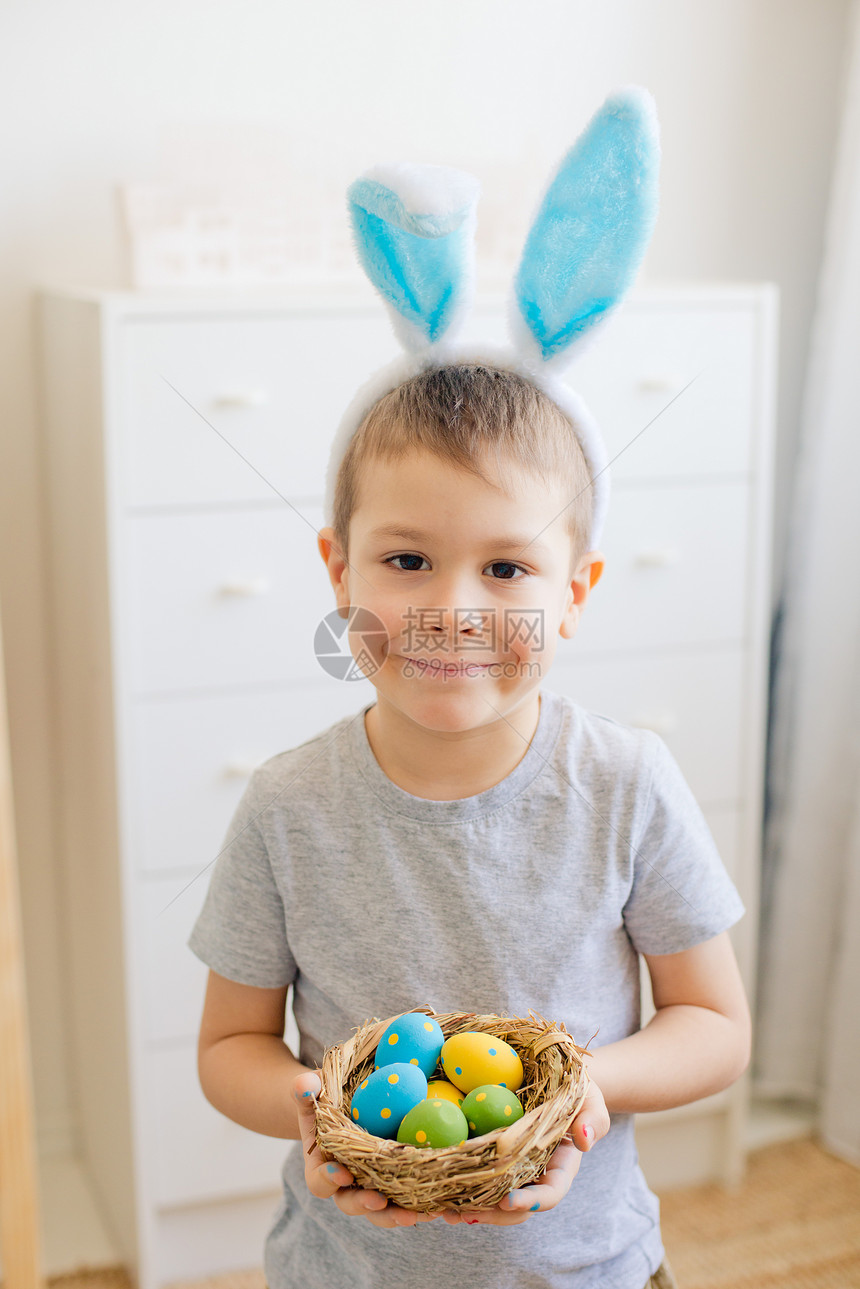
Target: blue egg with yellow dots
382 1100
414 1039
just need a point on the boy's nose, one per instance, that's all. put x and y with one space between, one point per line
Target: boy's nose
455 610
459 596
460 620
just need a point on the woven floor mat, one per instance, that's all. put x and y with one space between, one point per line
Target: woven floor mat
794 1222
92 1278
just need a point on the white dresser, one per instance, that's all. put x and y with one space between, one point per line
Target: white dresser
187 439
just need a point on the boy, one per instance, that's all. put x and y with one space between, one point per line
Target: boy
476 842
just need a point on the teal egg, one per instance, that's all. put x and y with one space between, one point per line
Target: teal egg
381 1101
413 1038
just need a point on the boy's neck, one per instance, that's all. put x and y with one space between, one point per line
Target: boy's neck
449 766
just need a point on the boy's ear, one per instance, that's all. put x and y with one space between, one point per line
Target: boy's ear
587 575
596 570
337 566
325 543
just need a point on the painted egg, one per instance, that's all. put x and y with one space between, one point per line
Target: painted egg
469 1060
383 1098
441 1088
489 1107
436 1123
412 1038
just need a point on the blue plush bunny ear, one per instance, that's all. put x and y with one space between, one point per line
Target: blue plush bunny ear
592 229
414 232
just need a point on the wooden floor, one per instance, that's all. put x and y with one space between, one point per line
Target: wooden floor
794 1223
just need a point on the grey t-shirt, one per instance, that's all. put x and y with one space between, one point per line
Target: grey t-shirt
538 893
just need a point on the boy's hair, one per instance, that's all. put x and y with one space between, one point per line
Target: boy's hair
462 413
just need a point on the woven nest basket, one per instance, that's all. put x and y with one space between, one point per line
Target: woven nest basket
479 1173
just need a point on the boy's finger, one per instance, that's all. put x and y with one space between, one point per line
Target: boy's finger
588 1127
582 1134
356 1203
591 1123
553 1186
305 1088
531 1199
331 1177
378 1210
324 1177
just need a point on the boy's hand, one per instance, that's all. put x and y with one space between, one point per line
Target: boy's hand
330 1180
589 1126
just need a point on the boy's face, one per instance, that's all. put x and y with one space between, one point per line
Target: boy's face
471 625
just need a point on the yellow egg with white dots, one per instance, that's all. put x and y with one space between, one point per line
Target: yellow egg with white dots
474 1058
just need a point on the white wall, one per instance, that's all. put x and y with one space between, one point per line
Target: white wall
94 92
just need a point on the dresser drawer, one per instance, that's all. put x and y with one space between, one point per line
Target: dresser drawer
274 388
646 357
695 701
676 561
192 757
223 598
196 1153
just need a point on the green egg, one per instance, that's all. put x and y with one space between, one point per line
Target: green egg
435 1122
489 1107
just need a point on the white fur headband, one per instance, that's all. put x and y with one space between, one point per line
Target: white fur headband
414 232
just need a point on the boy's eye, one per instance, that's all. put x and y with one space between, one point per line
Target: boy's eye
507 576
508 573
412 568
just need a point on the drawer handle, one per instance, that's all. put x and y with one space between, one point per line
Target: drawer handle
252 586
242 398
240 769
662 723
661 383
659 557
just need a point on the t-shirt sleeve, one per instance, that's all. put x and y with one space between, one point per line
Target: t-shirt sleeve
681 893
241 931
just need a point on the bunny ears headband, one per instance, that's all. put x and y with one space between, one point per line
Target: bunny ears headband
414 232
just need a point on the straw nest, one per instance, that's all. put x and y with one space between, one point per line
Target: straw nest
484 1169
